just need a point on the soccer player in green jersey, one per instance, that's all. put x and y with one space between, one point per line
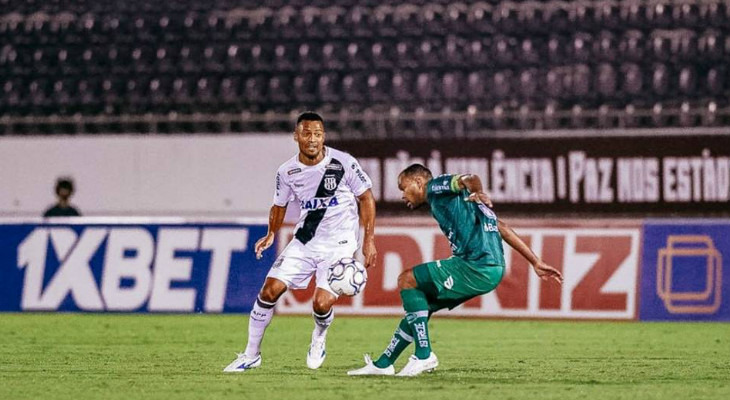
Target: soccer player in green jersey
462 210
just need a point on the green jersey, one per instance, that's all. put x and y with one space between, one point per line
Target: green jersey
470 227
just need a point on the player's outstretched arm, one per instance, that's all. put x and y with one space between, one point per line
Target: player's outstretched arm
473 184
276 219
367 220
542 270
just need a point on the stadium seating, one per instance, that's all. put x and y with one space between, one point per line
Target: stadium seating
491 64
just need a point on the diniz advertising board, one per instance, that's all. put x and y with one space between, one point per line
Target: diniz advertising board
679 175
599 261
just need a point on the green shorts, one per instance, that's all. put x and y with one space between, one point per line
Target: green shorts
453 281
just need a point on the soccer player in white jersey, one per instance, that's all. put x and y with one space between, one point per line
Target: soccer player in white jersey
327 184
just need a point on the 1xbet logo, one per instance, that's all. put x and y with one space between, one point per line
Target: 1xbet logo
126 268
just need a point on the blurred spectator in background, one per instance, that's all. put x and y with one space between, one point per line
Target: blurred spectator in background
62 208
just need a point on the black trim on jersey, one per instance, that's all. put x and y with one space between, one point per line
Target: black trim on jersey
313 218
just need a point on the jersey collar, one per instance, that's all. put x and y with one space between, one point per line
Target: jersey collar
324 160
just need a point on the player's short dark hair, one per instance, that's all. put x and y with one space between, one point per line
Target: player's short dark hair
417 169
309 116
64 183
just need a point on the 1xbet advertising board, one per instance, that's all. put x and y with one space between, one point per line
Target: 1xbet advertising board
130 268
684 270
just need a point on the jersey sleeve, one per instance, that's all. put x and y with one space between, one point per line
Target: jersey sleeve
443 185
358 181
283 193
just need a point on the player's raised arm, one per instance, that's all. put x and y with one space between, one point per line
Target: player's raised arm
276 219
367 220
473 184
542 270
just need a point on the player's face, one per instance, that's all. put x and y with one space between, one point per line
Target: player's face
413 190
310 137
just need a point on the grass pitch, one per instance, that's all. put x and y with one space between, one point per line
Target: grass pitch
83 356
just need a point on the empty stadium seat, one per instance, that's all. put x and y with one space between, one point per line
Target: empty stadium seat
606 47
714 80
606 80
581 47
402 86
305 89
332 56
504 50
353 87
528 84
476 87
328 88
502 85
632 79
659 14
608 14
451 86
687 81
479 18
381 55
660 79
377 87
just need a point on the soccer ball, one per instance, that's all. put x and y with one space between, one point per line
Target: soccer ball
347 277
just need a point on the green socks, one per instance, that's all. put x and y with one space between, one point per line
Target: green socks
416 306
416 320
400 340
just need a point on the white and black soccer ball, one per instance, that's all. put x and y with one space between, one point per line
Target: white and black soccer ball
347 277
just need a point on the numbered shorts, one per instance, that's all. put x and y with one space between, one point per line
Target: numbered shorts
296 265
453 281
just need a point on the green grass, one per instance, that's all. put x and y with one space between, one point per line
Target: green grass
81 356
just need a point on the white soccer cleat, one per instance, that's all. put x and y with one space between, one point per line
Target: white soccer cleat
243 363
371 369
317 353
417 366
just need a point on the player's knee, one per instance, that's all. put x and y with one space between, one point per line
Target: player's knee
269 295
406 280
271 291
322 305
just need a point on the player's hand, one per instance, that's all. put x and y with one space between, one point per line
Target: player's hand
370 253
480 197
546 272
263 244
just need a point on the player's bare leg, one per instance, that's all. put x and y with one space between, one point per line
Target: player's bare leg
323 314
259 319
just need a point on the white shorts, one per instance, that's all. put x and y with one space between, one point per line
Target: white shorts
296 265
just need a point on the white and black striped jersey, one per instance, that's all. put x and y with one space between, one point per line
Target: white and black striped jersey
326 194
